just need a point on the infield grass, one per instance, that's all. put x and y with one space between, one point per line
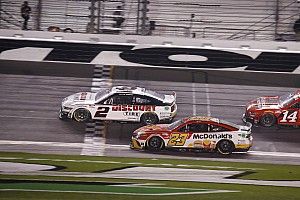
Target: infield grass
100 164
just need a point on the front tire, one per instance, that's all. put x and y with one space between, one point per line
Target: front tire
225 147
149 118
155 144
81 115
268 120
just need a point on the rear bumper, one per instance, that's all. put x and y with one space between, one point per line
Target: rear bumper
246 119
244 144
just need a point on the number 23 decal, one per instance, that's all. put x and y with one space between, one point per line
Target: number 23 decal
289 117
177 139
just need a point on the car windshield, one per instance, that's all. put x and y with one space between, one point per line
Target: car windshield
286 99
229 123
155 94
101 93
175 124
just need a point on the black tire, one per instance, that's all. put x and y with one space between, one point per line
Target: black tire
155 144
81 115
225 147
268 120
149 118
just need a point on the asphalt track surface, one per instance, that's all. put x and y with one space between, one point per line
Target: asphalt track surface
29 108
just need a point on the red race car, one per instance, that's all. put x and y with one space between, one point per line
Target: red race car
271 110
195 133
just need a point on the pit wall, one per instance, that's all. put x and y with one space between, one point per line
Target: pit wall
151 58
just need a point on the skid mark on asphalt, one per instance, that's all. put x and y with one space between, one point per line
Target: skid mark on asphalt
194 99
207 100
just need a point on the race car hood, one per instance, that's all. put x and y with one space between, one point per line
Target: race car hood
80 97
271 102
155 128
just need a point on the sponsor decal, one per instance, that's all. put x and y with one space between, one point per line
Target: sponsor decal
198 143
133 108
83 96
164 114
206 143
160 56
132 114
198 136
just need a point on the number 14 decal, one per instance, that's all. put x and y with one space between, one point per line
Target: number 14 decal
292 117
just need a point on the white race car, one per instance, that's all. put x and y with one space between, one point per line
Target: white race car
121 103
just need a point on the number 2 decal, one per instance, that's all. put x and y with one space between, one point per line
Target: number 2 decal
102 112
292 117
177 139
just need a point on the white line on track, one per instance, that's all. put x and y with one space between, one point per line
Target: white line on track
115 146
277 154
207 100
194 99
23 117
122 193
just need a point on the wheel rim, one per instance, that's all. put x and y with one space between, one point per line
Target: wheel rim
225 147
155 143
81 115
149 119
267 120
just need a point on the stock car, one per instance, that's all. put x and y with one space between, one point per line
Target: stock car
120 103
274 110
196 133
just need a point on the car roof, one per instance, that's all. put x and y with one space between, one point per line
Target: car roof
127 89
202 118
209 119
133 90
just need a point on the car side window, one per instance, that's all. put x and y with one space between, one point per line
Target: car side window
146 100
123 99
108 101
296 105
195 128
216 128
118 99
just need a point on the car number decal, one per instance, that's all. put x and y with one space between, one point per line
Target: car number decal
289 117
102 112
177 139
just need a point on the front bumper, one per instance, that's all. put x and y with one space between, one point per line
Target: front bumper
63 114
135 144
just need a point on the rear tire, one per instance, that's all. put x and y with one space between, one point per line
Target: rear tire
225 147
81 115
155 144
149 118
267 120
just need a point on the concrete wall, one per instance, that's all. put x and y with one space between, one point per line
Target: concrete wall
55 54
